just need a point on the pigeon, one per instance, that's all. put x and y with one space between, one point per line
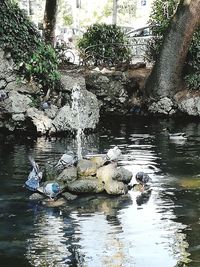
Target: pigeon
51 190
66 161
113 154
3 95
142 178
35 176
45 105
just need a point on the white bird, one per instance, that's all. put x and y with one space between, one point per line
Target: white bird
113 154
66 161
51 190
35 176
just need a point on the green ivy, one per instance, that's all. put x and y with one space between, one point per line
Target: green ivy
33 58
104 44
161 14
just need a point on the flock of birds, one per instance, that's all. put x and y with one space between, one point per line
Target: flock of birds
52 189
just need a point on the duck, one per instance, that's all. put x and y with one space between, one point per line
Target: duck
66 161
51 190
142 178
113 154
176 136
34 177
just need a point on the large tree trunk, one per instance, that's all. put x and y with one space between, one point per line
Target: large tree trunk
166 76
49 22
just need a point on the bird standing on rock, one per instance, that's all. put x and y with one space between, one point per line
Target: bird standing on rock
113 154
66 161
51 190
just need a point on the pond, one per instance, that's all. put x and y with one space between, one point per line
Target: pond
157 228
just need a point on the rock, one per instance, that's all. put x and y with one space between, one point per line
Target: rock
51 112
116 188
42 123
36 196
106 174
18 117
188 102
68 196
68 175
70 80
17 103
61 121
86 186
86 168
99 161
123 175
54 203
164 106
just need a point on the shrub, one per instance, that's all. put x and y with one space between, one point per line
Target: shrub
160 17
33 58
104 44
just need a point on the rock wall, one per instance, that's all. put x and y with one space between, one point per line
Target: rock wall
121 92
108 91
22 105
118 91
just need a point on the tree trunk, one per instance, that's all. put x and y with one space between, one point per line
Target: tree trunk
114 16
166 76
49 21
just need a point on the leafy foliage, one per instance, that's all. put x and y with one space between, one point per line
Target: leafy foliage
104 44
33 58
162 12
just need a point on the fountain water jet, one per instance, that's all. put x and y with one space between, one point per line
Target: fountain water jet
83 115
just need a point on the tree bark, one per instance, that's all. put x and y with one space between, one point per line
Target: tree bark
166 76
114 16
49 22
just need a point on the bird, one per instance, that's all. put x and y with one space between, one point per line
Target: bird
35 176
142 178
66 161
113 154
51 190
45 105
176 136
3 95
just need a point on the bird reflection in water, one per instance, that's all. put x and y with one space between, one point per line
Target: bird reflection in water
144 197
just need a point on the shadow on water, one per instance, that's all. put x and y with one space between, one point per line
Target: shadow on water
157 227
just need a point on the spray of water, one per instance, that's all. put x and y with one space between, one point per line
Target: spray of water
78 125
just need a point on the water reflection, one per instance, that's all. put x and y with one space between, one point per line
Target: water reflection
158 227
47 246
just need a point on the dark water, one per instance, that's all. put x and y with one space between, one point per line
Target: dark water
157 229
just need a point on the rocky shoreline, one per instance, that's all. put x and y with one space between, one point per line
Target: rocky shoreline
116 91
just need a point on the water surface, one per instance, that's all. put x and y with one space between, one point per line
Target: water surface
158 228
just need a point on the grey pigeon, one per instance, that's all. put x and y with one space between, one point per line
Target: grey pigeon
142 178
35 176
